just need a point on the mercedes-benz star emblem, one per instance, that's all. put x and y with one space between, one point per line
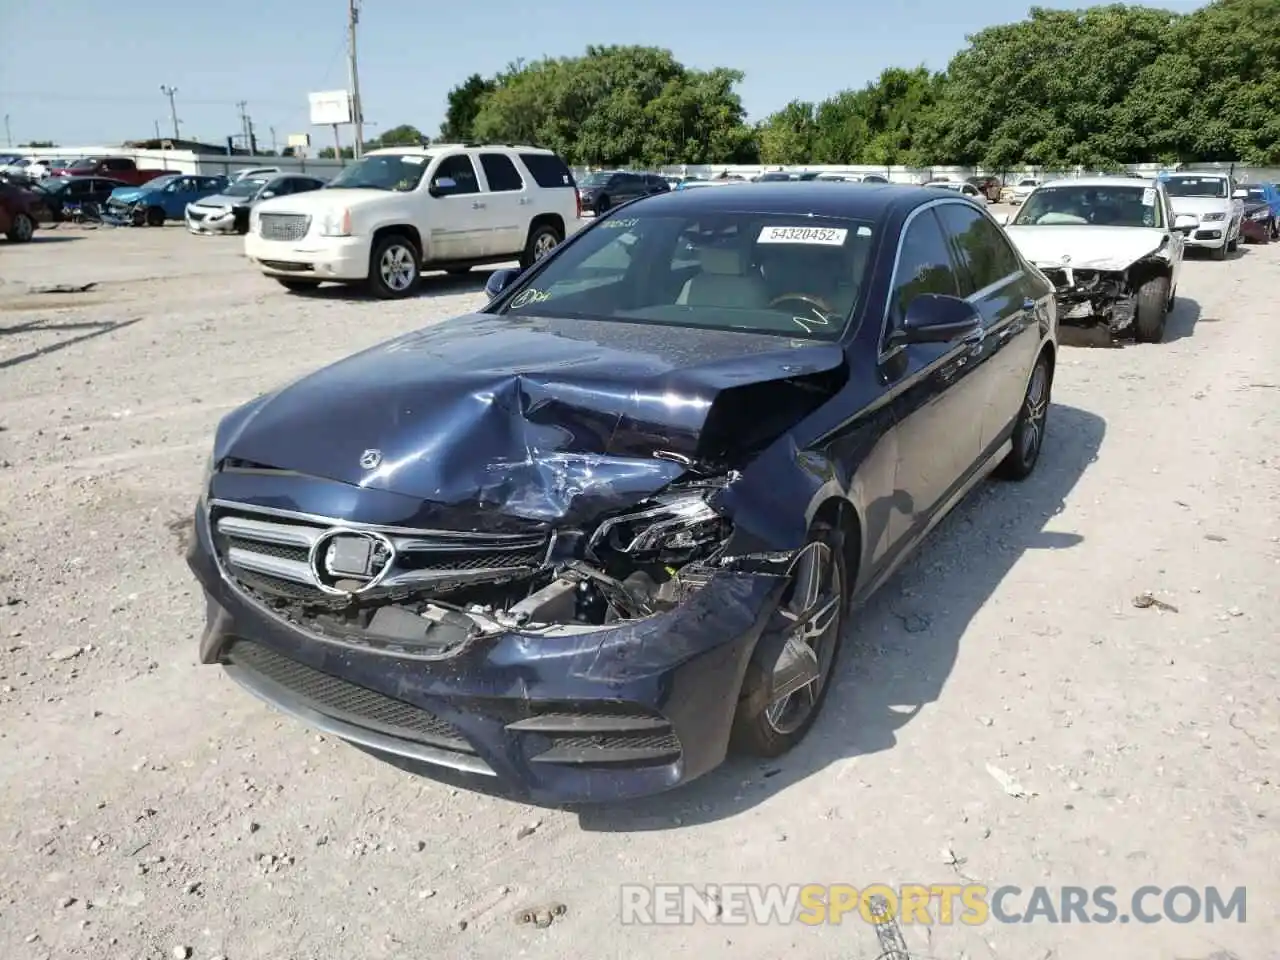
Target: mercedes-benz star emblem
370 459
347 562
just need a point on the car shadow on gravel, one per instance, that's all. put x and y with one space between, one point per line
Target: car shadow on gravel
1182 320
96 329
903 644
429 285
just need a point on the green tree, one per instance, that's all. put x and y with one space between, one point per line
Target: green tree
405 135
464 103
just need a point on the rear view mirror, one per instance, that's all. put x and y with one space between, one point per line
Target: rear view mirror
1185 222
500 280
936 318
443 186
1240 194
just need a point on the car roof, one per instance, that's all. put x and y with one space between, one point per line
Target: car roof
859 201
1199 175
1101 182
438 147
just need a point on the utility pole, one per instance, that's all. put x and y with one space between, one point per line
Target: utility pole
353 17
244 121
171 92
157 129
274 148
8 135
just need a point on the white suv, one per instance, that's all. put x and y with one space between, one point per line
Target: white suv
400 210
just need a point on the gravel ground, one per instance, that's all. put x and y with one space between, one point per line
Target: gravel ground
149 808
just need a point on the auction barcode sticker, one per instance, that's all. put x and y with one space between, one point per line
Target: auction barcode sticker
827 236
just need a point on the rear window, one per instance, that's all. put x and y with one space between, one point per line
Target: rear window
547 170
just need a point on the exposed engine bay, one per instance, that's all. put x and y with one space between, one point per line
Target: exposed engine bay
1108 299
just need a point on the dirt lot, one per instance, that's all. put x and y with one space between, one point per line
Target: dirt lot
149 809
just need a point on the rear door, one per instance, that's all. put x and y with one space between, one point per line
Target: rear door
509 204
993 279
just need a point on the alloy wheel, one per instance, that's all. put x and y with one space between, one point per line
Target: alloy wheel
544 244
1035 410
22 228
814 615
398 268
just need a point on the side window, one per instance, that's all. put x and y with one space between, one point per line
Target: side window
547 169
980 247
462 171
924 265
115 163
500 172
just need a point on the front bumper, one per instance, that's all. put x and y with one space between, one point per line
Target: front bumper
315 258
210 220
1256 231
619 712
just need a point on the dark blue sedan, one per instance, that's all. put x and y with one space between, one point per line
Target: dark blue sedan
578 544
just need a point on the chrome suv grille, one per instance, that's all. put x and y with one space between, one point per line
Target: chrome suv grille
283 226
327 562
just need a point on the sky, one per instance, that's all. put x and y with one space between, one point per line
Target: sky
88 72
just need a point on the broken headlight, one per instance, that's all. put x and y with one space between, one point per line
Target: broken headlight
673 527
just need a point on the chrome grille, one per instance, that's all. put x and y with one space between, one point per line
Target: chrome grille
283 226
270 552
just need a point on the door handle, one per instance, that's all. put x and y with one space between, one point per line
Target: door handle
524 200
477 205
976 337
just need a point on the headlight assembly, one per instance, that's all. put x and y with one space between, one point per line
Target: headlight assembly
1212 217
206 476
672 527
336 223
1260 215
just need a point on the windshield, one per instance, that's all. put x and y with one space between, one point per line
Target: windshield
84 163
597 179
392 171
246 187
1196 186
798 275
1256 195
1110 206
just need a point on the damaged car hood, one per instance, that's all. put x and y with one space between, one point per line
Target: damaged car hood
537 417
1084 246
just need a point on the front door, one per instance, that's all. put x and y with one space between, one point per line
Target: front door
936 403
458 218
509 205
992 278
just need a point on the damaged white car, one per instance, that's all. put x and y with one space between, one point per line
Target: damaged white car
1112 247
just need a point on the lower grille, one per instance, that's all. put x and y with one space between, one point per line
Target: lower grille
283 226
589 735
347 701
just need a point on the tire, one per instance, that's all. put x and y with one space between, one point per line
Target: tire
22 229
298 286
1153 308
1219 253
1028 430
155 217
1231 246
761 726
1274 232
393 268
603 204
543 238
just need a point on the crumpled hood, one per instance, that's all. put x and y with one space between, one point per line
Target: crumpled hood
1196 206
1088 247
220 200
546 419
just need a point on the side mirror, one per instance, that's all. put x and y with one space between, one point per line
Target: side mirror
1185 222
442 186
266 194
936 318
1004 219
499 280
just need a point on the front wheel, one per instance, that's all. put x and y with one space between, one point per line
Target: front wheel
787 679
22 229
542 240
1220 253
393 268
1028 431
155 217
1152 309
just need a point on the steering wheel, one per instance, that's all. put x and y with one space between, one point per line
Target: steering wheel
821 310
